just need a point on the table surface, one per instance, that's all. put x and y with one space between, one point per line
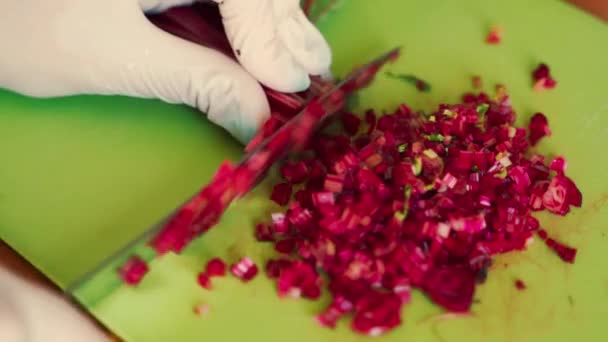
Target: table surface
9 259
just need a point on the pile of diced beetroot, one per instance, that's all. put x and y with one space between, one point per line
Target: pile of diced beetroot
395 202
409 200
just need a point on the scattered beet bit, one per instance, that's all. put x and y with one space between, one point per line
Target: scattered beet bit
294 172
275 267
299 279
542 78
494 37
215 268
351 123
520 285
566 253
281 193
561 194
376 313
285 246
539 128
451 287
133 271
204 281
245 269
264 232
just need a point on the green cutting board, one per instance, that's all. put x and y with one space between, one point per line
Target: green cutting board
80 177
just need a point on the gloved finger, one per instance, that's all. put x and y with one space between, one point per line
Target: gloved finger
159 65
303 40
36 314
251 29
12 327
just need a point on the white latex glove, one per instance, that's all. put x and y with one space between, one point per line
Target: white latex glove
29 313
68 47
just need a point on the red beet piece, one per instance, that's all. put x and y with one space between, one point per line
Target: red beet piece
215 268
494 36
294 172
451 287
275 267
281 193
299 280
542 78
566 253
204 280
351 123
338 308
245 269
376 313
559 165
520 285
539 128
560 195
133 271
264 232
285 246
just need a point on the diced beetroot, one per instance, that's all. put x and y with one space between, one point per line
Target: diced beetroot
559 165
279 223
245 269
133 271
275 267
294 172
370 119
299 280
338 308
281 193
568 254
539 128
451 287
285 246
351 123
264 232
204 280
560 195
376 313
215 268
542 78
334 183
520 285
494 36
413 201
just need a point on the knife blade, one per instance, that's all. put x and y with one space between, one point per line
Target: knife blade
358 78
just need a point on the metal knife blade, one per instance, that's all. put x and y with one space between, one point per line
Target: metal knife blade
355 79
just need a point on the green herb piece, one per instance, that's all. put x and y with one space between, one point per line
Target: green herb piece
435 137
482 108
419 83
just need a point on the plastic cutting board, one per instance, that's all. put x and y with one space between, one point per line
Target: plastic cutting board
81 176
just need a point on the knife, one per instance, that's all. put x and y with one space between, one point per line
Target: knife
357 79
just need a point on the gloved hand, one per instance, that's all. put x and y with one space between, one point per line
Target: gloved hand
68 47
29 313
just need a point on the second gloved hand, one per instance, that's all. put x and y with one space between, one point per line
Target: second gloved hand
69 47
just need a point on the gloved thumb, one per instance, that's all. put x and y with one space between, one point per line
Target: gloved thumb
155 64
